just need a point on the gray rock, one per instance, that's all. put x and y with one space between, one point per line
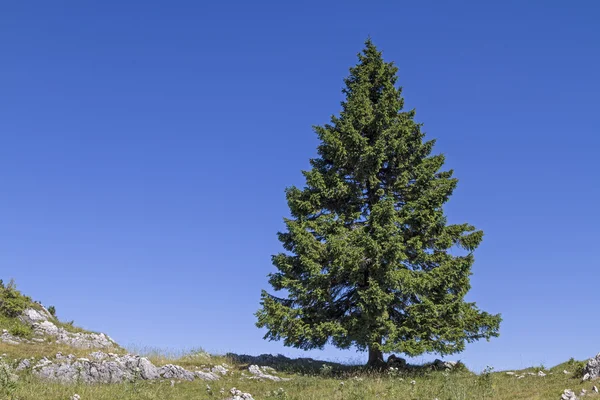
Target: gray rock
79 339
568 394
104 368
207 376
592 368
586 377
219 369
175 371
31 316
239 395
7 338
76 397
258 373
23 364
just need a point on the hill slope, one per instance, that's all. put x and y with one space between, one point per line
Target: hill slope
45 359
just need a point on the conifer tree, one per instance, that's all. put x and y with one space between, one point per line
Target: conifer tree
367 259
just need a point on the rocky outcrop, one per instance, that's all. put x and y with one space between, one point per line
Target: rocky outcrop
44 326
110 368
74 339
31 316
6 337
592 368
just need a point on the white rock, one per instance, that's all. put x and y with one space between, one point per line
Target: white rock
258 373
568 394
219 369
586 377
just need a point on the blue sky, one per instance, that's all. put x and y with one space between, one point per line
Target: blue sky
145 148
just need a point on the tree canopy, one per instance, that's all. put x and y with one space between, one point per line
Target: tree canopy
369 258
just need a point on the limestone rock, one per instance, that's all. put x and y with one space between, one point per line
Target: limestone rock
259 373
78 339
31 316
7 338
568 394
219 369
176 372
108 368
239 395
207 376
592 368
23 364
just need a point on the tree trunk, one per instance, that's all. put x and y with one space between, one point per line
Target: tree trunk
375 358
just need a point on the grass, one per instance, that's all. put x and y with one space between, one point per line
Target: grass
337 383
15 327
309 380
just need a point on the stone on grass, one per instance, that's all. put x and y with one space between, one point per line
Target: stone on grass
568 394
239 395
259 373
104 368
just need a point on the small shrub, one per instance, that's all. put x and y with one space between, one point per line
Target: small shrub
8 381
485 382
12 302
52 310
460 367
326 370
21 330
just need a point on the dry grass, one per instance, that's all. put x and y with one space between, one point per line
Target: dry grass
340 383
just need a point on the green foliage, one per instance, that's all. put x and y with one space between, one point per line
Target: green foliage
12 302
21 330
52 311
8 381
370 260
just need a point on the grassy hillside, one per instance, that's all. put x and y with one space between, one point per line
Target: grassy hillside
314 382
309 380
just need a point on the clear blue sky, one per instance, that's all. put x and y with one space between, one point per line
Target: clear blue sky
145 147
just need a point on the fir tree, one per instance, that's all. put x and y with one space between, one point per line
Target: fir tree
368 261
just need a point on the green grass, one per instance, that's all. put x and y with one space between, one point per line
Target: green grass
15 327
309 381
339 383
